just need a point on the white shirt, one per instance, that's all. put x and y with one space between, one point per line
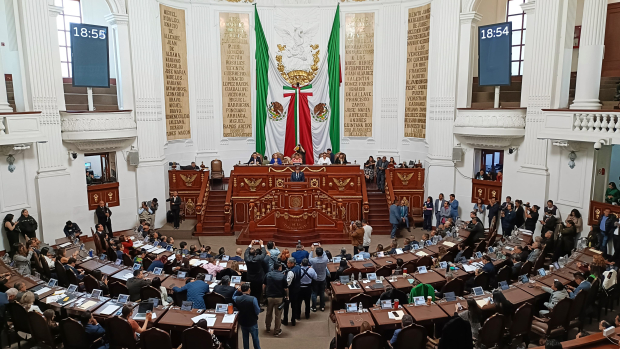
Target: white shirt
325 161
367 233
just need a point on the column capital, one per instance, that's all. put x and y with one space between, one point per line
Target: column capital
117 19
54 10
529 6
473 17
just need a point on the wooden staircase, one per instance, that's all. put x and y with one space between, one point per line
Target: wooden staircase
379 215
213 220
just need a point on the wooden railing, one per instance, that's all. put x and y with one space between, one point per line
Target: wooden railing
189 185
365 204
228 216
201 203
596 211
405 183
485 190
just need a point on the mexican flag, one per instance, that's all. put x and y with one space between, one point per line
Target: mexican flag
306 114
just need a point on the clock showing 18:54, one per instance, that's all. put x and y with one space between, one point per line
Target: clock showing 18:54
489 33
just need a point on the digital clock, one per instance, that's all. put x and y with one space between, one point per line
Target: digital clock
494 54
90 55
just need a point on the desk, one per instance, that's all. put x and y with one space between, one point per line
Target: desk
518 296
426 313
382 319
584 258
406 257
76 309
458 273
46 293
172 281
350 323
176 321
333 267
369 287
593 341
548 280
91 264
565 273
387 261
359 265
450 307
342 292
401 282
111 269
431 278
529 288
159 312
29 280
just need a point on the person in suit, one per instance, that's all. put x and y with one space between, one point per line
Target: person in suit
438 205
179 263
298 176
454 207
382 165
135 284
196 291
395 218
476 231
225 289
103 238
516 266
331 155
175 207
583 284
493 210
104 217
404 214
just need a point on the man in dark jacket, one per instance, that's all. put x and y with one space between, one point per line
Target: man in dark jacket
94 331
493 210
254 263
293 277
135 284
476 231
179 263
276 290
175 208
104 217
566 241
516 267
248 315
225 289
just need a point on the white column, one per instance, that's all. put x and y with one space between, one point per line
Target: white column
388 125
4 103
530 10
41 66
591 50
120 39
467 52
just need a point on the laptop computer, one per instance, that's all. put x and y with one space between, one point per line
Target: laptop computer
477 291
143 309
449 296
221 308
235 280
344 279
155 302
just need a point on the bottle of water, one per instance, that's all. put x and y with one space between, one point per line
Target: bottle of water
359 276
359 308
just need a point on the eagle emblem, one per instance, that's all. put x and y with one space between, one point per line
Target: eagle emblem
320 112
253 183
188 179
341 183
405 178
276 111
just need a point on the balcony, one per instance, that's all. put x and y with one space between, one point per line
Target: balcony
20 128
581 125
490 128
98 130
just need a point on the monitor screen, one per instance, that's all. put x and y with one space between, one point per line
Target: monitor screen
122 298
351 307
478 291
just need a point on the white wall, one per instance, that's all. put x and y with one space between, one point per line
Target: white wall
9 52
614 167
94 12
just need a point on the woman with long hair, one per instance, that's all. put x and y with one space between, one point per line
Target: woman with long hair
369 169
284 256
28 225
575 217
165 299
428 208
480 208
22 259
11 234
49 316
473 315
612 194
126 314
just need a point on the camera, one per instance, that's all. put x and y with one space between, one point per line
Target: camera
598 145
512 150
73 155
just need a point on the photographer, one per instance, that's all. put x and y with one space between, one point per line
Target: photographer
356 232
145 212
531 217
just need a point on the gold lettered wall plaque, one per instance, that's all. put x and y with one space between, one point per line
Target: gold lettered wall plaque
236 84
358 74
419 24
174 51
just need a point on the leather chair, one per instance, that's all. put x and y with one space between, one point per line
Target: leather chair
492 238
117 288
154 338
482 280
539 262
410 266
127 261
503 274
352 272
148 292
40 330
61 273
111 254
90 283
367 301
455 285
384 271
216 169
590 307
120 334
492 331
448 257
480 247
211 299
521 321
146 262
417 217
71 278
47 273
573 320
526 268
19 319
196 337
367 340
553 326
412 336
36 263
194 271
426 261
468 252
74 336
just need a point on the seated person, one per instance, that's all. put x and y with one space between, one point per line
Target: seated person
195 291
362 254
127 243
297 159
164 298
191 166
27 301
135 284
71 229
344 255
275 160
476 231
48 257
407 244
158 263
582 283
393 247
238 256
516 266
50 316
225 289
137 329
20 286
79 273
163 241
255 160
140 256
482 175
399 267
203 324
459 258
179 263
406 321
102 282
535 252
300 254
94 331
120 251
524 252
558 292
324 159
297 176
449 277
341 268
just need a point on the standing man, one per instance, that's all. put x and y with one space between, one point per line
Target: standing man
404 214
356 232
505 204
254 263
454 208
382 165
394 220
248 315
607 228
367 234
298 176
331 155
308 276
319 264
175 207
438 205
493 210
293 278
104 217
276 289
